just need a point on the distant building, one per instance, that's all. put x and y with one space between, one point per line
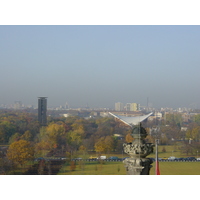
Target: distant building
119 106
158 115
18 105
184 128
42 110
132 107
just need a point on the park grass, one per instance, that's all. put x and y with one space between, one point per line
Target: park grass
177 168
94 168
117 168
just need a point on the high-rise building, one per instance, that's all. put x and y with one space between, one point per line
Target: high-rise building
132 107
42 110
119 106
128 107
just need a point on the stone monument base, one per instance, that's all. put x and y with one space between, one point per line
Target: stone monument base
138 166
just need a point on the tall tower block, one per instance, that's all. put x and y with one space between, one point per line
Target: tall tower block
42 110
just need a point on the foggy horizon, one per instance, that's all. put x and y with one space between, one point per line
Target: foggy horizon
100 65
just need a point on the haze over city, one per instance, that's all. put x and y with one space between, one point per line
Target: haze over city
100 65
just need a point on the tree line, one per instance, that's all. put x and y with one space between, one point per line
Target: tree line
66 136
61 137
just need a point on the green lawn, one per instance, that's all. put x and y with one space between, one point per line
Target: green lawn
94 168
177 168
117 168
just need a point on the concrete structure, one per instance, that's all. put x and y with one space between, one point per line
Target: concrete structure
42 111
137 163
132 107
119 106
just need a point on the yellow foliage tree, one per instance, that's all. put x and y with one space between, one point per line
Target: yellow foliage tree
104 144
82 148
193 133
129 138
20 152
51 134
109 142
100 145
41 147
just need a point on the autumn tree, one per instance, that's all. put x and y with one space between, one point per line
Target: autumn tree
193 133
74 137
109 142
14 137
42 147
27 136
129 138
100 145
104 144
20 152
163 149
72 165
150 139
51 134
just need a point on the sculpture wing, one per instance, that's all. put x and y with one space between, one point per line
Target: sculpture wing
131 121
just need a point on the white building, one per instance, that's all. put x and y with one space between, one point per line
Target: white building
119 106
132 107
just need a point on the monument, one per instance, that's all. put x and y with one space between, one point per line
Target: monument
137 163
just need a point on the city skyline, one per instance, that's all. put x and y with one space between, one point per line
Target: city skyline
117 106
100 65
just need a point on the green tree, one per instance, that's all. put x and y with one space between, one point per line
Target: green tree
14 138
74 139
197 119
174 119
7 129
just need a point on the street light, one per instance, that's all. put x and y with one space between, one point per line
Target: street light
197 154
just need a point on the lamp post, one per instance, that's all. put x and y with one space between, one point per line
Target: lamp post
197 153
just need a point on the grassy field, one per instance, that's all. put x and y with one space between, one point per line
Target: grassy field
177 168
117 168
94 168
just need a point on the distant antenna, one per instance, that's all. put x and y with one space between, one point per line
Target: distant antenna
147 103
87 106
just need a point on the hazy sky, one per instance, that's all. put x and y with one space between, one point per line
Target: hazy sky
100 65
